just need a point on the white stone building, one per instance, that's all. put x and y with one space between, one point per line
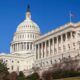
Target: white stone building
28 49
52 47
22 55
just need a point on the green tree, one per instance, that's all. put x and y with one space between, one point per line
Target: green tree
21 76
33 76
3 71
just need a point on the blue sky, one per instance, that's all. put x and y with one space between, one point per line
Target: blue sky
48 14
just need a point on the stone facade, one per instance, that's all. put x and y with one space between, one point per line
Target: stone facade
22 56
28 49
57 44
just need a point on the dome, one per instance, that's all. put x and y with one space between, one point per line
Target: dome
28 25
25 34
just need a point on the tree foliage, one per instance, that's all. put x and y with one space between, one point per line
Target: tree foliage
3 71
33 76
21 76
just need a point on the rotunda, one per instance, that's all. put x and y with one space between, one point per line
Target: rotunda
26 33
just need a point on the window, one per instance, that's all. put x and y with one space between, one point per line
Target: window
17 68
51 61
69 46
12 67
6 60
17 61
12 61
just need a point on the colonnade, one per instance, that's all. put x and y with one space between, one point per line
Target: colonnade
55 45
22 46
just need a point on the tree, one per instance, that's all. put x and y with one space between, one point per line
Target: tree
47 75
33 76
12 76
3 71
21 76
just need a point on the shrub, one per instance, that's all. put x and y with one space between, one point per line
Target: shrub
33 76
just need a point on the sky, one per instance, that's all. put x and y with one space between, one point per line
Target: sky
48 14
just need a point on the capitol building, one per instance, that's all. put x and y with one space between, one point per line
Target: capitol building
30 49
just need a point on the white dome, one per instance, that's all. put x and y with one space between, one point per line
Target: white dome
26 33
28 25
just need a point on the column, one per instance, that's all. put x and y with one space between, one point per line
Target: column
36 50
45 49
66 42
57 44
32 46
29 45
71 40
71 34
62 43
49 47
22 45
19 46
14 46
53 45
26 45
42 49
